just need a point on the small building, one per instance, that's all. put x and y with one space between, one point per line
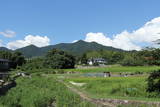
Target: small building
4 65
97 61
107 74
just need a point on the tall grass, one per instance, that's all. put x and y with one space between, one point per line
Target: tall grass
115 87
41 91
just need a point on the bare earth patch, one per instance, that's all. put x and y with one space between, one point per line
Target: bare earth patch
77 84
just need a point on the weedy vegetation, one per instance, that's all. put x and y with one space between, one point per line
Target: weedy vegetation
41 91
133 88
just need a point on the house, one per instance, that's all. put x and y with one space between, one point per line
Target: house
97 61
4 65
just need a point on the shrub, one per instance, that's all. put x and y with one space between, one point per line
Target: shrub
153 80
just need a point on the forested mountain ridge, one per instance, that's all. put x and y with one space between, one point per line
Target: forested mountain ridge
4 49
77 48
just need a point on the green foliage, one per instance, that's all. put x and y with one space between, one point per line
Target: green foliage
154 82
57 59
156 56
84 59
132 60
93 54
16 58
32 64
6 55
151 56
41 92
116 57
112 57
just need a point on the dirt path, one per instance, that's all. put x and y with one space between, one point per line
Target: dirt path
111 102
99 103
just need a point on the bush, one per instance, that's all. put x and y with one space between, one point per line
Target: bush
35 63
153 80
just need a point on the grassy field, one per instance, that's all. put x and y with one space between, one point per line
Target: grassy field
133 88
117 69
41 91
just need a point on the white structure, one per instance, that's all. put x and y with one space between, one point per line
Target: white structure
99 61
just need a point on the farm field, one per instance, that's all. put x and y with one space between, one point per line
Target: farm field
44 87
115 88
123 88
117 69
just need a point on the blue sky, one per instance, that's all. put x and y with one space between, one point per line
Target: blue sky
69 20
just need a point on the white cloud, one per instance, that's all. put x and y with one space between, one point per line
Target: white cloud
39 41
1 43
8 33
74 41
129 40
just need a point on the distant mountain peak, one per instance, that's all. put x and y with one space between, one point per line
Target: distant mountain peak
80 41
31 45
4 49
77 48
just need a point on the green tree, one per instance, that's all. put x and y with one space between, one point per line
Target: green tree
33 63
116 57
84 59
151 56
132 60
58 59
16 58
154 82
6 55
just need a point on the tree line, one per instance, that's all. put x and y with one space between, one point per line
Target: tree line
15 58
149 56
58 59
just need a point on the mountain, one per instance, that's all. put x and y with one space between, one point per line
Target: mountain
4 49
30 51
77 48
81 47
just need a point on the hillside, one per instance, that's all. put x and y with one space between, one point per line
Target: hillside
4 49
76 48
30 51
80 47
